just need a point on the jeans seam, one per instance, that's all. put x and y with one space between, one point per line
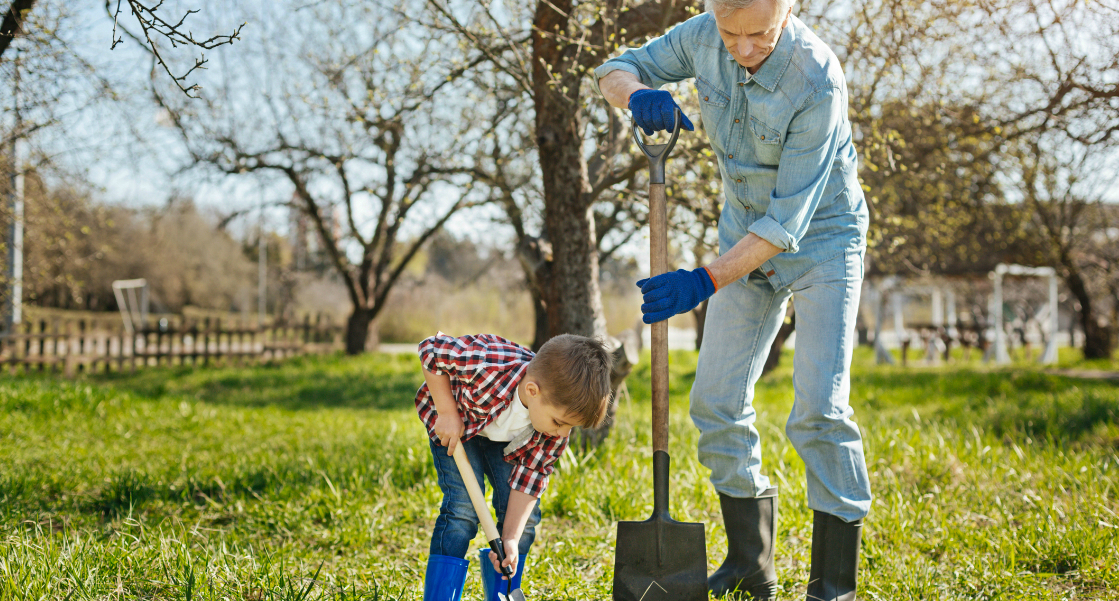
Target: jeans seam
746 383
849 289
847 280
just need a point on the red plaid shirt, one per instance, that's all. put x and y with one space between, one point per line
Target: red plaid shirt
485 371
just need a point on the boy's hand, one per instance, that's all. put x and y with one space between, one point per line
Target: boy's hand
510 557
449 429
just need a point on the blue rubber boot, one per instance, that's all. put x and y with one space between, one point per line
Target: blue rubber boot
445 578
492 582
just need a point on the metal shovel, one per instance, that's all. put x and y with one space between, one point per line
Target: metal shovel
660 558
478 500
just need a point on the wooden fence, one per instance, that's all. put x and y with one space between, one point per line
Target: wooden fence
71 347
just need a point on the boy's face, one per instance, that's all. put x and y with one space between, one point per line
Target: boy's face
545 417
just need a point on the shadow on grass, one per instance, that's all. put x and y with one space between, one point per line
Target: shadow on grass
375 381
133 490
123 492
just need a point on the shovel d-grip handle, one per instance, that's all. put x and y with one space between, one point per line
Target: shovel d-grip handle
658 153
478 500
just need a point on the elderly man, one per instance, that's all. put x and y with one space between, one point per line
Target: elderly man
773 101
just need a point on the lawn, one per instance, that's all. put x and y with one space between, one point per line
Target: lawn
312 480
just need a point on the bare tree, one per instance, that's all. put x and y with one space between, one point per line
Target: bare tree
1063 191
155 28
364 129
508 168
962 108
53 67
548 49
12 26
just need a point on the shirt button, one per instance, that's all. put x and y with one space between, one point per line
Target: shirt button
740 84
705 98
730 156
739 181
763 137
736 120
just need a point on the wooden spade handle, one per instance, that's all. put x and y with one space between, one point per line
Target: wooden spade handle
476 497
658 264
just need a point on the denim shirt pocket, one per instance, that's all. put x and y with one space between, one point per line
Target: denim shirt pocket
767 142
710 95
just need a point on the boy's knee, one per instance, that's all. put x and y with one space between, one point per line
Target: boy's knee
458 510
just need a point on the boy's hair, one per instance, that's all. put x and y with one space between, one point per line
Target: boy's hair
574 372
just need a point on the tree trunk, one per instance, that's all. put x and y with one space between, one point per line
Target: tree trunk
357 330
783 333
535 257
573 296
1098 343
1099 340
540 315
559 68
626 351
12 26
700 314
571 292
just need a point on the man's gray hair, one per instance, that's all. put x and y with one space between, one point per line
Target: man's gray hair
725 7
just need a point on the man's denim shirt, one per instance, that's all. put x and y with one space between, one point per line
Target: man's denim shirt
782 137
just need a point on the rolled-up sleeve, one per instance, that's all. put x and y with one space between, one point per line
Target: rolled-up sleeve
534 462
529 481
662 60
802 173
447 355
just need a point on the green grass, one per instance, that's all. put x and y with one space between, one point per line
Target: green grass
312 480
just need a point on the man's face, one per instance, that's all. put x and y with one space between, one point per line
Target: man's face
544 416
751 33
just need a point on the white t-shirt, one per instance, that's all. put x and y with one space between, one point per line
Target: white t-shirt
509 422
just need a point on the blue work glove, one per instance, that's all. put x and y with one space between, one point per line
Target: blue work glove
674 292
653 110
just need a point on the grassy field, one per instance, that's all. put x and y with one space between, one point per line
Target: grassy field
312 480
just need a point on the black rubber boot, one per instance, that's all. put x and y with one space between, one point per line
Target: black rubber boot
835 558
751 534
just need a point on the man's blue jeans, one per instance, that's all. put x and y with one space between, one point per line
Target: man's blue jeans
742 321
457 523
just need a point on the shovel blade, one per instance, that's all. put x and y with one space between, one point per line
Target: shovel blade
660 559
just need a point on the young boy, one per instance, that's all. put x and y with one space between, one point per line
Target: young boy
513 411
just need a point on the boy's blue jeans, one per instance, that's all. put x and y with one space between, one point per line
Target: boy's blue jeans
457 523
742 321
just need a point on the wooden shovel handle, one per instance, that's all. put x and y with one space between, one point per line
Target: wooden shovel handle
658 264
476 497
